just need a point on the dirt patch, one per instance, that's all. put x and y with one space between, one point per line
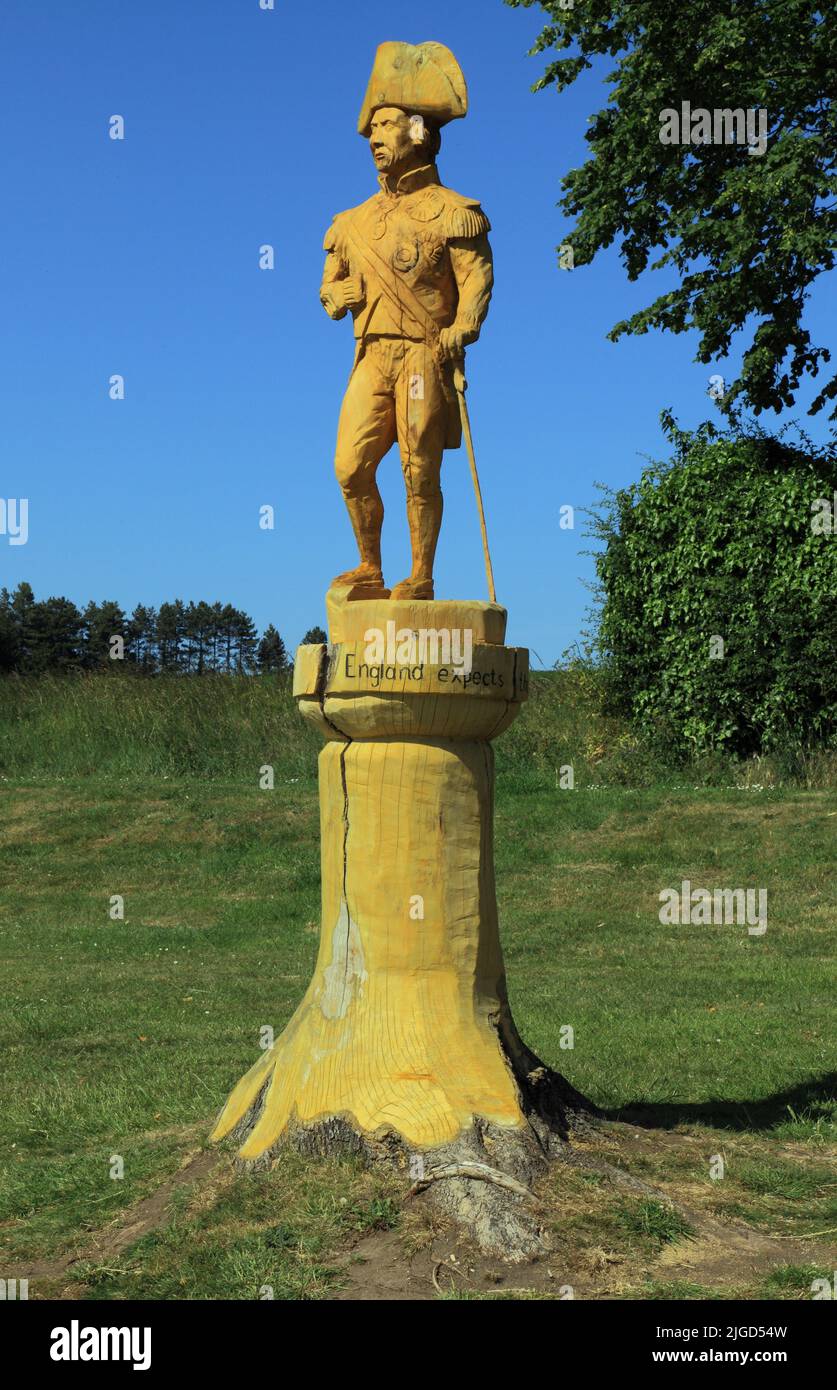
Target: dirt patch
722 1254
381 1269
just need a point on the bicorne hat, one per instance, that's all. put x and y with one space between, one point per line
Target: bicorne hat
422 79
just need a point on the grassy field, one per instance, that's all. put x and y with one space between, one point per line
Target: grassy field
122 1038
117 725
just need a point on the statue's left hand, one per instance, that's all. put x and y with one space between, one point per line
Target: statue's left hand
453 342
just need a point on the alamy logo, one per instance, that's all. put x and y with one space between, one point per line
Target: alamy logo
14 519
413 646
720 907
76 1343
824 516
14 1289
722 126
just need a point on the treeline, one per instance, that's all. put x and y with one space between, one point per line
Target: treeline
52 634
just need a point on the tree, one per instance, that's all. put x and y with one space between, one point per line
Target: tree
142 634
180 638
718 577
9 634
200 636
21 607
171 629
315 636
216 631
55 640
244 642
100 623
747 232
39 636
227 623
272 656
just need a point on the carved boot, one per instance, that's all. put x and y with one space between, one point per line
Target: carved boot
424 518
366 581
413 588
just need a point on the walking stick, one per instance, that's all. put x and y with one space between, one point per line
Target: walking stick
461 386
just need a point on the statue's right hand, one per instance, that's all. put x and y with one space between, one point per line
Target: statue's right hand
353 292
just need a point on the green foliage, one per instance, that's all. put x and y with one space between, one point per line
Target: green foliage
730 539
796 1278
271 654
378 1214
747 235
656 1220
195 638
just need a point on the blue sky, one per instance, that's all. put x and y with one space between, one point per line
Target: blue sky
140 257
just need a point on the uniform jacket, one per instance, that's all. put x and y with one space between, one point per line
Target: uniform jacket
435 240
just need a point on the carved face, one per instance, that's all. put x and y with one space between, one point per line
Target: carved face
392 140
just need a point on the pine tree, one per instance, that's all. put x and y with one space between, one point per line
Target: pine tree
55 642
199 637
216 635
142 634
22 605
199 628
272 656
227 632
171 632
100 623
245 641
9 633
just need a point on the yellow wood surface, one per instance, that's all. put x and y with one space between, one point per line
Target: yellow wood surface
350 621
397 1028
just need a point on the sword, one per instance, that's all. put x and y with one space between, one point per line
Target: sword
461 386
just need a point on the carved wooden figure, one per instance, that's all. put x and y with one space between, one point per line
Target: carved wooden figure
404 1044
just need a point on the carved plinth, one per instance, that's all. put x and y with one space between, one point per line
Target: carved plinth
405 1025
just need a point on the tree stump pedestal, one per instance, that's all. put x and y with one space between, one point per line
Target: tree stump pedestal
404 1046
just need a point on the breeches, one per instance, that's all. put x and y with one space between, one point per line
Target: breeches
394 394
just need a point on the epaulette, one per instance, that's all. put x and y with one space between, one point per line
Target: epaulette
463 223
463 218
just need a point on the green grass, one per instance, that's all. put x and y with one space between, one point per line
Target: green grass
655 1222
113 724
123 1038
267 1236
786 1180
677 1289
795 1280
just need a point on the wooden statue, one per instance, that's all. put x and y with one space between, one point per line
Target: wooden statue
413 267
404 1046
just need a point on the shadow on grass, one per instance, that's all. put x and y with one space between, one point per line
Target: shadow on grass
810 1100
